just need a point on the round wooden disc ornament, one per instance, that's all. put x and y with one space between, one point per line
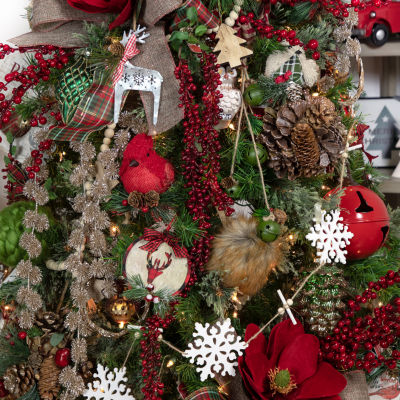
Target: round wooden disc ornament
159 260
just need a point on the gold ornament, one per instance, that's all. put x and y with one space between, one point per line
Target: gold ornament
120 310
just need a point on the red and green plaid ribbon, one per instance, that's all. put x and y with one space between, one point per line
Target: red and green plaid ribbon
205 394
155 239
95 111
205 16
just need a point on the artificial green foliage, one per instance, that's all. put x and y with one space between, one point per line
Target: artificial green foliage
215 294
188 375
224 7
11 354
370 269
96 35
262 48
274 94
337 92
11 229
283 15
363 173
138 292
186 229
8 290
31 394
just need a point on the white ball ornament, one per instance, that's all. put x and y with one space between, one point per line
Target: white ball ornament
229 21
234 15
104 147
237 8
216 29
109 133
106 140
112 126
238 2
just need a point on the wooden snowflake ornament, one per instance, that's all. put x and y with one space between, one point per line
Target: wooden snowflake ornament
109 385
330 237
215 349
230 47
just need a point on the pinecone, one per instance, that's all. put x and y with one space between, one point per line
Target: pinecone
49 322
303 138
117 49
19 379
320 112
320 303
294 92
279 145
305 146
48 382
151 199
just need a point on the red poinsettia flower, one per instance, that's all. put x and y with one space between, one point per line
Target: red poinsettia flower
287 367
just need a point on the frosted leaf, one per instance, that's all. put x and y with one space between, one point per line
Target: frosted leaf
330 237
109 385
215 349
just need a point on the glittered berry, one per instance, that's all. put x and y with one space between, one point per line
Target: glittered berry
62 357
312 44
316 55
125 202
22 335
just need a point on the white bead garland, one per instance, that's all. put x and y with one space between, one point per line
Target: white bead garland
108 135
234 14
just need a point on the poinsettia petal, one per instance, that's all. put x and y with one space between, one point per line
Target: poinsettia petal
300 357
281 335
253 390
258 344
258 366
325 383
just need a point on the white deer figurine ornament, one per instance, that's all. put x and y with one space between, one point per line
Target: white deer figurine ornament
136 78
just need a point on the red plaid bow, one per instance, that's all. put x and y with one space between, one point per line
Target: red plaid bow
361 128
130 51
155 239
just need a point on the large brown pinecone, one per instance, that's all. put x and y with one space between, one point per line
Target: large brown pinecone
320 112
19 379
305 146
48 382
279 145
303 137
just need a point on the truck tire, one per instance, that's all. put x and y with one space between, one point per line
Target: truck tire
379 35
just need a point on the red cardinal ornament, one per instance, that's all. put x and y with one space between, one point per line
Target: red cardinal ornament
142 169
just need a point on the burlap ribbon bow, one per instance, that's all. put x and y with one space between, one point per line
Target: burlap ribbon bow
55 22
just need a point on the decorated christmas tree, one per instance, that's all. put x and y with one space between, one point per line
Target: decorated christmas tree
150 251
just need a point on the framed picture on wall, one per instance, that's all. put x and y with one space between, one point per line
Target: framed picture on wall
383 117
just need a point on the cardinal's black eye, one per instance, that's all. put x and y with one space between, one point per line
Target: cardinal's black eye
148 155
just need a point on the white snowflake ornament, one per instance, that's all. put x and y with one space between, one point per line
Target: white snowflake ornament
109 385
215 349
330 237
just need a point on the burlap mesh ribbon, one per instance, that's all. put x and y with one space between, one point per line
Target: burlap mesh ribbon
55 22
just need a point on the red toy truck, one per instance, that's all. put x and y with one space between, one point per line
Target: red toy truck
377 23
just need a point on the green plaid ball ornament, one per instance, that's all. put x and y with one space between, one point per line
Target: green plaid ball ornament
73 85
304 71
294 66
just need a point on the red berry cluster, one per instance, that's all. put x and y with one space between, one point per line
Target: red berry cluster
353 340
37 158
200 158
151 356
5 50
29 78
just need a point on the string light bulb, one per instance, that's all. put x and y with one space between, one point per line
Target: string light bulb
114 230
170 363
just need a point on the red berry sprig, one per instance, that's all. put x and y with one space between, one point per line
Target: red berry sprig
353 340
151 356
29 78
200 158
37 158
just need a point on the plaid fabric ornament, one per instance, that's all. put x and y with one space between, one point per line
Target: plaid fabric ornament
205 393
94 112
205 16
294 66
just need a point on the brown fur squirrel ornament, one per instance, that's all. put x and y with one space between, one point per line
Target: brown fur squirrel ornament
244 260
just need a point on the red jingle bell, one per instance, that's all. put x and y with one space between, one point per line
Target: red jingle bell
366 216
